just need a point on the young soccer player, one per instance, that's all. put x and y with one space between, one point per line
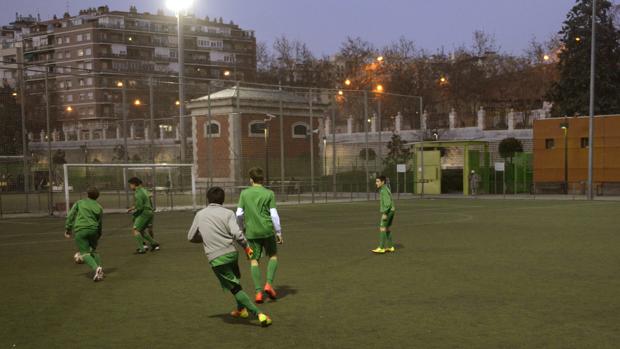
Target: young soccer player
142 217
387 210
85 222
258 216
216 228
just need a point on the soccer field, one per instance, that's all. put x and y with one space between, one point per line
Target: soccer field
467 273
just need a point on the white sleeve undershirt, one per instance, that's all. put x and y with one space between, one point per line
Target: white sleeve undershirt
275 218
239 215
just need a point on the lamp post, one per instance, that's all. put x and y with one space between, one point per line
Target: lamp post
266 121
564 127
592 96
179 7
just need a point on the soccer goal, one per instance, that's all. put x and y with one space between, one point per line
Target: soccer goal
172 186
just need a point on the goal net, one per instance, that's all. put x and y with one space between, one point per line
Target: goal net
172 186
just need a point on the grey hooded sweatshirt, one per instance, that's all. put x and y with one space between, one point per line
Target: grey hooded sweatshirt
216 228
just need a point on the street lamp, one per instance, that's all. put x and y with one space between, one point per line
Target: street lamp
564 127
179 6
266 121
347 82
227 73
546 58
137 102
325 157
69 109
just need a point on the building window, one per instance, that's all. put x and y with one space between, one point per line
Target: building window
87 37
585 142
79 37
59 41
549 143
257 128
80 53
371 154
67 40
88 51
67 54
213 127
300 130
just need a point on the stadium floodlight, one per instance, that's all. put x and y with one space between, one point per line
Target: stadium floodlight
179 5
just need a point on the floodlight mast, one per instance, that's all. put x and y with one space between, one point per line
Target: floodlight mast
180 7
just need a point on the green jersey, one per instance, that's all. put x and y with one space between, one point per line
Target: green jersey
85 214
256 203
142 202
387 204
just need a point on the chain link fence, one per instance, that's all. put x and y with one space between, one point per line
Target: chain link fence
315 144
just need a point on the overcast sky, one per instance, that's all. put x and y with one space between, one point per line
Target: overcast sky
323 24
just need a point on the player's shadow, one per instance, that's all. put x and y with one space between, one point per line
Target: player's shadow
285 291
399 246
234 321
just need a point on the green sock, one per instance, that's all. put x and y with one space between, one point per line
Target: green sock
140 242
96 257
389 242
255 270
90 261
272 266
382 239
245 302
146 236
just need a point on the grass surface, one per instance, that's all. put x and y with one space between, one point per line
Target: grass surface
467 273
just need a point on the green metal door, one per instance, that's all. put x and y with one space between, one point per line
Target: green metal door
432 172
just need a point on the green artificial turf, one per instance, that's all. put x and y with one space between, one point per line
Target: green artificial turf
467 273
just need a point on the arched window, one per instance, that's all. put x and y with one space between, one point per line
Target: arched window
371 154
300 130
213 128
257 128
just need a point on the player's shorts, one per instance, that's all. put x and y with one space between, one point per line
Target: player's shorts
269 245
387 222
228 274
86 240
143 221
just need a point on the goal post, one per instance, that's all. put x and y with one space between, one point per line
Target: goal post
108 177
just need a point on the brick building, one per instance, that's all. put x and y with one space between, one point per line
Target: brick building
232 139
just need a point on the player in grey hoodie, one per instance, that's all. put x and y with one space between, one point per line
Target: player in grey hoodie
216 228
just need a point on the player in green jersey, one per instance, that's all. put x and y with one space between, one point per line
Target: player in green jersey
85 222
258 217
387 210
142 217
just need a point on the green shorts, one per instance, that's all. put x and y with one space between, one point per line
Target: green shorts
268 244
86 240
143 221
228 274
387 222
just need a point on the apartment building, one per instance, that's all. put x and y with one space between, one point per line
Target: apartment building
85 56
